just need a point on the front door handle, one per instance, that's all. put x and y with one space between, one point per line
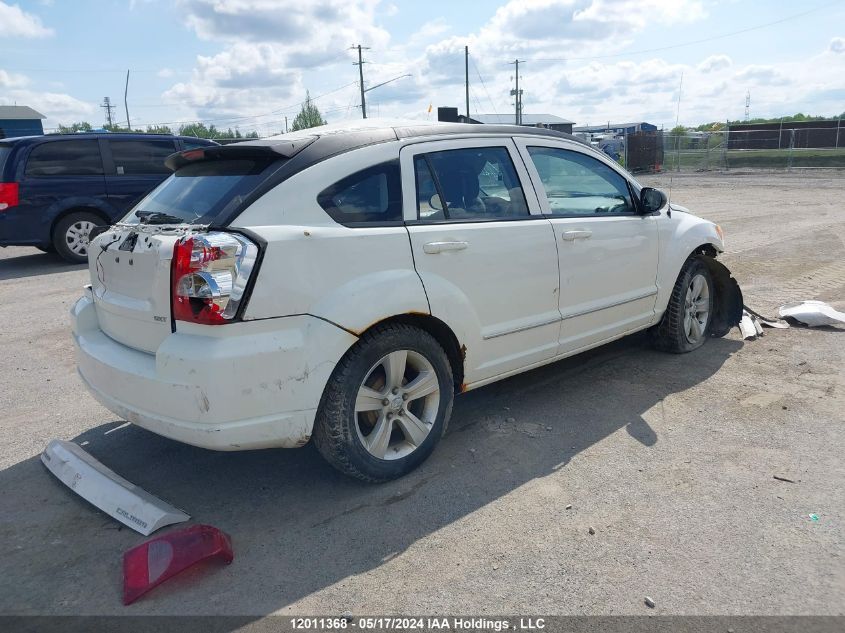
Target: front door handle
432 248
571 236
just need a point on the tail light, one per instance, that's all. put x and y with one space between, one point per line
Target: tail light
210 272
8 195
151 563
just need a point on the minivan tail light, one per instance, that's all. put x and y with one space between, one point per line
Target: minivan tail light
209 275
8 195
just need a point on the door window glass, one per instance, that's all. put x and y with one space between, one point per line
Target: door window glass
65 158
478 183
141 156
576 184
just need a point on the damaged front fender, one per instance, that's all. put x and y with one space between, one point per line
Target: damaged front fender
727 300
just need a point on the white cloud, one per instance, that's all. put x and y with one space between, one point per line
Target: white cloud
715 63
766 75
268 45
837 45
11 80
15 22
57 107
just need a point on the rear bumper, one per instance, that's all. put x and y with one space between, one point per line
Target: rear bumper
254 385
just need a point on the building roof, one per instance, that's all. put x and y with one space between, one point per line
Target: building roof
527 119
605 126
8 112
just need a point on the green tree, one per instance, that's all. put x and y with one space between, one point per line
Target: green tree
73 128
309 115
159 129
199 130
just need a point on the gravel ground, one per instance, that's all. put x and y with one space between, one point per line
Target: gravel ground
669 459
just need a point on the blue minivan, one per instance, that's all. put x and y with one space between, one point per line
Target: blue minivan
55 189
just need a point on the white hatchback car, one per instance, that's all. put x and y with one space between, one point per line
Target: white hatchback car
344 283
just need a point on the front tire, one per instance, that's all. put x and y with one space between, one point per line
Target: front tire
72 235
686 324
386 405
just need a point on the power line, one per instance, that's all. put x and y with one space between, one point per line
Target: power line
484 85
282 110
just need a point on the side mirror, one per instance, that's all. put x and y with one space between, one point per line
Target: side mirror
652 199
435 203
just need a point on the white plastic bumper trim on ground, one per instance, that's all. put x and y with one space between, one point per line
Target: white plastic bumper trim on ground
111 493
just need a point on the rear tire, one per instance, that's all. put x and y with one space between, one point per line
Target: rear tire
386 405
71 235
686 324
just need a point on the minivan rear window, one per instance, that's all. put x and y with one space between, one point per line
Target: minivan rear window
198 193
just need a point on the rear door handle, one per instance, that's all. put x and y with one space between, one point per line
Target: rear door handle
432 248
571 236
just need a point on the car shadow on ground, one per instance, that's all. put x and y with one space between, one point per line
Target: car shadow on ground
34 264
297 525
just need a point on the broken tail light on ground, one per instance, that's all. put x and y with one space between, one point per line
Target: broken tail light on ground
153 562
210 275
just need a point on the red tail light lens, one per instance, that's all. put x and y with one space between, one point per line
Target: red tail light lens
153 562
8 195
209 276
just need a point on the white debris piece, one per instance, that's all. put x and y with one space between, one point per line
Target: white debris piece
812 313
747 327
111 493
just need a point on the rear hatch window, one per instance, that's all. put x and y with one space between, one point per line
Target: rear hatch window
198 193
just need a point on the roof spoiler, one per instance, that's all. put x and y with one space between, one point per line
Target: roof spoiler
250 150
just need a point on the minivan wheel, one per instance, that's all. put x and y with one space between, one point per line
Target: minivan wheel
386 405
686 324
71 236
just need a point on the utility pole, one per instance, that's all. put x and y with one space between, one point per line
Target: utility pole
747 104
466 76
517 94
126 103
360 66
108 107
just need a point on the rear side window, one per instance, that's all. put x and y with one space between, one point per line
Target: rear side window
65 158
473 184
370 196
141 156
5 150
198 193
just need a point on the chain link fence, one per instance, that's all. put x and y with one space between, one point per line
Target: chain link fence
768 149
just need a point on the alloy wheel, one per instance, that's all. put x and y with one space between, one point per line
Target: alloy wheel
397 403
696 308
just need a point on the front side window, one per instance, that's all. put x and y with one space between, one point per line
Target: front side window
370 196
478 183
65 158
576 184
141 156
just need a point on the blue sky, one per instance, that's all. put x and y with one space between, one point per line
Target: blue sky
248 63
